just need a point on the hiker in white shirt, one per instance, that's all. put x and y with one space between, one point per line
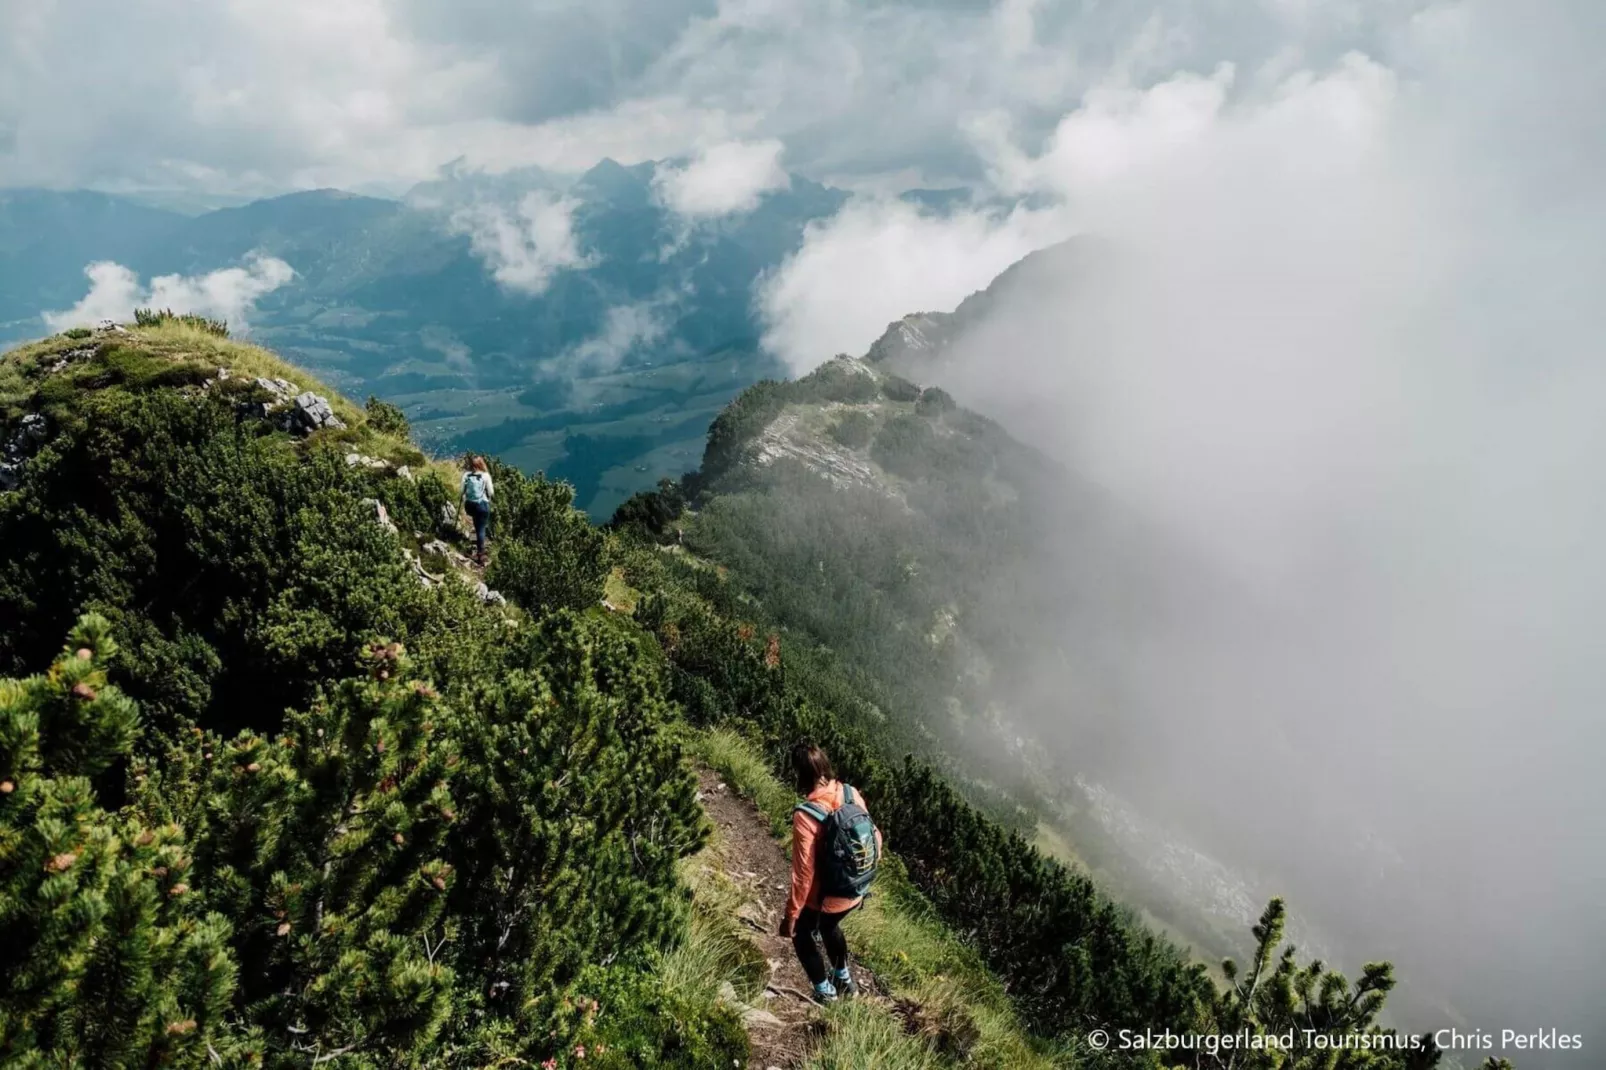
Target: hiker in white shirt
477 492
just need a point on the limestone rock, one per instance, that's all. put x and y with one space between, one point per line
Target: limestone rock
381 516
21 444
488 596
312 412
758 1016
281 389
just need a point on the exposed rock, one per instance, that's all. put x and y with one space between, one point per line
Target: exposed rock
281 389
418 570
406 473
449 525
436 546
488 596
312 412
362 460
758 1016
31 430
786 438
380 514
66 358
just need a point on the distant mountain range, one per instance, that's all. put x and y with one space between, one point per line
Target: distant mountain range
607 377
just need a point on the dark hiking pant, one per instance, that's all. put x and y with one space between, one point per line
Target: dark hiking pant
480 513
829 928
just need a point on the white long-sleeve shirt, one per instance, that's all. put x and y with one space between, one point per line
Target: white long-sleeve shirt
485 479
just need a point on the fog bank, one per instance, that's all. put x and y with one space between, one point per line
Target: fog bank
1339 345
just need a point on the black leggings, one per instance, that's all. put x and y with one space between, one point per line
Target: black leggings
480 512
829 926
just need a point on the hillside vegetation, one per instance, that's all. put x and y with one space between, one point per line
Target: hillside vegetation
296 791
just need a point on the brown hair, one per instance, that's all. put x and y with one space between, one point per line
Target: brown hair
810 766
478 464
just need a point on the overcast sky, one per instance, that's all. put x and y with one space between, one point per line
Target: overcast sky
268 95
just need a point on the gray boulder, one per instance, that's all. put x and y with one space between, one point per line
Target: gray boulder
490 597
449 524
312 412
281 389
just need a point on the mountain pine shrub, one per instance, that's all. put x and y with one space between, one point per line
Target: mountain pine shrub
111 957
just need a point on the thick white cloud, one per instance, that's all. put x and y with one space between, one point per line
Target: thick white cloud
227 294
1340 350
721 180
879 259
524 246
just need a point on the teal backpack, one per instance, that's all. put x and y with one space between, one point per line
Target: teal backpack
474 487
846 850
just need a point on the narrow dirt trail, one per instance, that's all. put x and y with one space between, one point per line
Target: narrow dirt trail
787 1023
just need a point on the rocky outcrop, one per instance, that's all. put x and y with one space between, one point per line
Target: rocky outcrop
293 409
30 433
312 412
786 437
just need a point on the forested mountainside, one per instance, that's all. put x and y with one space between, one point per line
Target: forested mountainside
293 792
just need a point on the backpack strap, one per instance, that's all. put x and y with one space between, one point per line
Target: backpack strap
814 810
847 794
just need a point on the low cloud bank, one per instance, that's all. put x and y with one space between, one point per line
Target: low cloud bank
526 245
724 179
228 294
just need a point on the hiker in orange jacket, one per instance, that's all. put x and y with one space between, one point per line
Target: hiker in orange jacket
810 912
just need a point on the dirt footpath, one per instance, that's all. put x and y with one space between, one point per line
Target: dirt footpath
785 1024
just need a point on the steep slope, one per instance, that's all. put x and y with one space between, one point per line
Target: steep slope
371 815
398 823
294 794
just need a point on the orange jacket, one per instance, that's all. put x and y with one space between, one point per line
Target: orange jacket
805 830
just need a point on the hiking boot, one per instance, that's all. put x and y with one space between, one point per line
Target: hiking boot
825 993
846 986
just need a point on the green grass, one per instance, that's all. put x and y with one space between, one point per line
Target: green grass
862 1035
950 1010
744 768
713 951
176 354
